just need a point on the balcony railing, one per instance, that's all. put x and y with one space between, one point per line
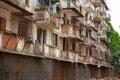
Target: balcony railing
53 52
95 53
81 58
69 55
69 32
104 37
93 34
96 16
103 12
90 24
104 50
50 51
42 15
54 20
103 24
45 18
20 7
108 58
102 56
108 17
91 42
90 60
97 3
89 7
10 41
72 8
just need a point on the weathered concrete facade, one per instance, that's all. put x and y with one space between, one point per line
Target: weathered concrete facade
63 40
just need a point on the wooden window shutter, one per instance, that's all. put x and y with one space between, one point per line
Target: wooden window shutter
2 23
23 29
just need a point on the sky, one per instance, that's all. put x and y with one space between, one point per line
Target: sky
114 6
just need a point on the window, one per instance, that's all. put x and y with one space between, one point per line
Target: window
39 35
73 46
90 53
83 50
54 39
44 36
27 2
2 23
65 44
23 29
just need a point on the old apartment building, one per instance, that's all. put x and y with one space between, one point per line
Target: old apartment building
54 40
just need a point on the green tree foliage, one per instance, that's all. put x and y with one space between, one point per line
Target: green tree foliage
114 46
116 59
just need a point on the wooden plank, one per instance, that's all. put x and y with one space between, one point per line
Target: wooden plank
4 40
12 43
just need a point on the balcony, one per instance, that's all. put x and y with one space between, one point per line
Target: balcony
81 58
103 12
89 7
81 53
108 29
72 12
104 25
54 53
46 19
108 58
72 33
99 32
102 56
50 51
19 6
71 9
47 51
90 60
93 34
108 17
97 3
11 42
68 55
95 53
91 42
104 49
103 63
96 17
90 24
104 37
